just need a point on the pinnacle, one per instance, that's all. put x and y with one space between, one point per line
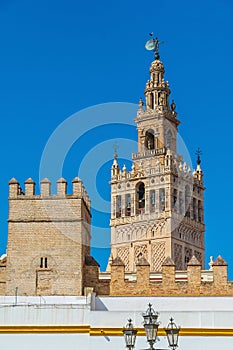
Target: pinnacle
45 181
13 181
117 262
194 261
220 262
168 262
61 180
29 181
76 179
142 261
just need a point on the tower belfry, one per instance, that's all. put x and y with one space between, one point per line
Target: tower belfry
157 206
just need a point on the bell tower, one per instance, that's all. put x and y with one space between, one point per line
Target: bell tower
157 206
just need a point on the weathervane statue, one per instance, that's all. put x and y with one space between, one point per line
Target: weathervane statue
153 44
198 153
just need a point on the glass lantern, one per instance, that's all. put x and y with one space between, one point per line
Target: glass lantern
130 334
172 333
151 325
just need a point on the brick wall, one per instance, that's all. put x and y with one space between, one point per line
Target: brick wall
3 277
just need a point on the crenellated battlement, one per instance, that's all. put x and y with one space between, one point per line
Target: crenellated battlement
78 190
48 238
194 281
169 282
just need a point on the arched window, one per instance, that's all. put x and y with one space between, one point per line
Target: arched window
152 100
194 209
150 141
140 198
152 201
43 262
127 205
161 199
174 199
169 139
118 206
180 202
187 201
199 211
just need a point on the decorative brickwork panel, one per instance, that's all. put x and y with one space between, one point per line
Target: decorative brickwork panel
198 255
178 256
158 256
123 253
140 250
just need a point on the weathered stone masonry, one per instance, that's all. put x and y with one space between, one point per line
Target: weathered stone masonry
192 282
48 239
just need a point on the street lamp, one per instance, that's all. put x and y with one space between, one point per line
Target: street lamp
151 325
172 333
130 334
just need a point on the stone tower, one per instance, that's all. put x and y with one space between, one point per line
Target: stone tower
157 207
48 239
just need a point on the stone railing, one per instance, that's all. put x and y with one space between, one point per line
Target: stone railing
149 153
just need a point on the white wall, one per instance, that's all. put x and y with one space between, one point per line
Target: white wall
85 342
113 312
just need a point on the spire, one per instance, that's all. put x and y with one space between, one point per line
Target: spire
198 172
198 153
115 146
157 89
115 166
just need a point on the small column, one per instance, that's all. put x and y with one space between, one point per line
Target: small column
13 188
113 204
123 205
45 186
147 100
133 201
29 187
139 140
147 202
154 101
168 198
157 200
61 187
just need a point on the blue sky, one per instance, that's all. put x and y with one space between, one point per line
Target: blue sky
58 57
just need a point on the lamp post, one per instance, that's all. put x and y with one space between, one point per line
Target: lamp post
151 326
130 334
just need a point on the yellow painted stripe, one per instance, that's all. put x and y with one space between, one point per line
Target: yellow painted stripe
204 332
44 329
186 332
